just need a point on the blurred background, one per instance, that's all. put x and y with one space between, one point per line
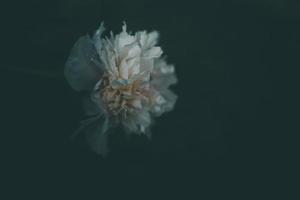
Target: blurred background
231 59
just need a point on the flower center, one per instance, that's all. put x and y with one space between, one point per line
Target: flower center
117 98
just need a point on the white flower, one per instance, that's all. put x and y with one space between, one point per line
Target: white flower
127 81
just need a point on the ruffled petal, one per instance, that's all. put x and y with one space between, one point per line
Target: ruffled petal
97 38
162 101
153 52
163 75
170 100
83 67
148 40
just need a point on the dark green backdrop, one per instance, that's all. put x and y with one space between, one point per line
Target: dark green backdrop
230 58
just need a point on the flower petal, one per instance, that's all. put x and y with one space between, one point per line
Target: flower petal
154 52
90 107
123 70
96 135
97 38
170 98
124 38
152 39
95 130
163 75
83 67
148 40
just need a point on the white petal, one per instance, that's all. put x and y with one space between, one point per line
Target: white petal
134 66
152 39
143 118
146 65
97 38
160 100
123 70
154 52
163 75
147 40
124 38
129 51
134 51
171 99
142 37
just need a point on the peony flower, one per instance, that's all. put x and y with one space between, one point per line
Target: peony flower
126 79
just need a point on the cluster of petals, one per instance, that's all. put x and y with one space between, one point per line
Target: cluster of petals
127 81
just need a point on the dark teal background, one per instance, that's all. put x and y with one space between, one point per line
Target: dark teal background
231 59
